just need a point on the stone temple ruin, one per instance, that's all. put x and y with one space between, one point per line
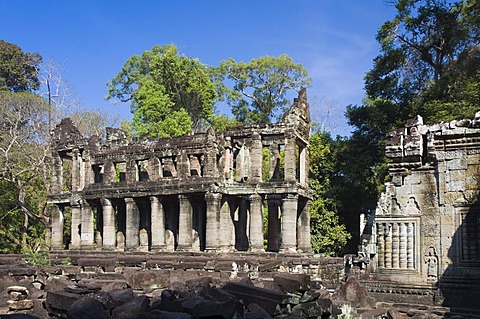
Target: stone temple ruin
203 192
425 234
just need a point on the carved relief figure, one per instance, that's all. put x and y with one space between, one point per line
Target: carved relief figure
431 260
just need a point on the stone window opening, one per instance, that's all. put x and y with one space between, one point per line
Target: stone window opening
196 167
120 172
98 173
142 168
169 167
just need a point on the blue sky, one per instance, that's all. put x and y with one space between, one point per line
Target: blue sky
333 39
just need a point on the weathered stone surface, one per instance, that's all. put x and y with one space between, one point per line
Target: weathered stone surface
148 279
292 282
266 299
353 293
131 309
24 304
87 308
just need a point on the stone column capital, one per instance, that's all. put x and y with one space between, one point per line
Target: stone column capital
105 202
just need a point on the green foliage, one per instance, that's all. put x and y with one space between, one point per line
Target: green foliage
328 235
170 94
260 86
18 70
221 123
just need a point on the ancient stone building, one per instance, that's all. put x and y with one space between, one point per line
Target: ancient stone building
427 223
203 192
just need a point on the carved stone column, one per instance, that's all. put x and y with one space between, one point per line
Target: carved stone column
388 245
131 171
57 227
403 245
76 225
75 170
410 248
183 165
256 223
213 230
227 235
184 223
57 178
290 160
210 163
304 164
289 224
86 230
381 245
109 235
132 231
274 212
158 224
228 159
274 172
303 229
109 173
395 246
256 159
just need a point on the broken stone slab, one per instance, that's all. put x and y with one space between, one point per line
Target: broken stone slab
83 288
60 300
309 310
377 313
265 298
148 279
157 313
17 292
292 282
353 293
132 308
17 305
87 308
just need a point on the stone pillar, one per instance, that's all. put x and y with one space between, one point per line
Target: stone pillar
131 171
388 245
227 236
213 230
256 159
410 244
86 229
303 229
88 171
82 171
290 160
183 165
381 245
109 240
184 223
132 240
242 164
304 164
395 246
57 178
274 214
403 246
57 227
75 170
210 164
256 224
109 173
289 224
274 172
158 223
227 168
76 225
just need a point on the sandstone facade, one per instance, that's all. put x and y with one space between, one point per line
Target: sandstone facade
203 192
427 223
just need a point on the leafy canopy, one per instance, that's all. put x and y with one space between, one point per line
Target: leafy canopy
170 94
18 70
257 89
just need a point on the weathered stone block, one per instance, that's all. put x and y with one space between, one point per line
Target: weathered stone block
131 309
292 282
61 300
87 308
148 279
266 299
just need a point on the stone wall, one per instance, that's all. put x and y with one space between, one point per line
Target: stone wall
427 222
202 192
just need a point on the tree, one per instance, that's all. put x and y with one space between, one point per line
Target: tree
165 89
18 70
328 235
23 166
428 65
260 86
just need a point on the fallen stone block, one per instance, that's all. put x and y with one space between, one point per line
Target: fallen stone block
292 282
265 298
61 300
148 279
17 305
131 309
87 308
